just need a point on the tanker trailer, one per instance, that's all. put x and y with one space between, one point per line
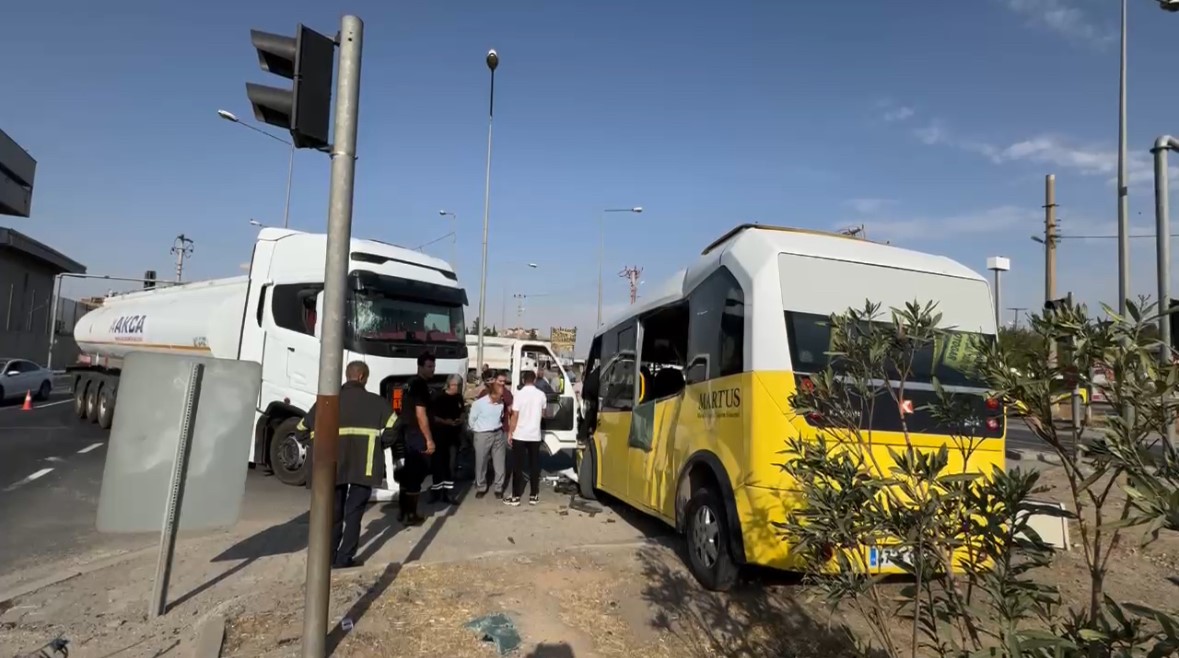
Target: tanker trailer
400 305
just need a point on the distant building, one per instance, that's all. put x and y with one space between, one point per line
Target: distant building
27 271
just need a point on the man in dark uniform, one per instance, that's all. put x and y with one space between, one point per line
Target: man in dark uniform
366 430
419 440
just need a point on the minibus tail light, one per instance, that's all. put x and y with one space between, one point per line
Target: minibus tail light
993 424
993 403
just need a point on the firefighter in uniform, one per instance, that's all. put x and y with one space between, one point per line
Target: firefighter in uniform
366 430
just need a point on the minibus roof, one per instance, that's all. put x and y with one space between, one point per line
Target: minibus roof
756 241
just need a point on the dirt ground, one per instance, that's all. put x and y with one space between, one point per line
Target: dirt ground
629 598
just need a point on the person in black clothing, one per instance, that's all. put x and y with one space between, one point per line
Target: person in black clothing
419 440
366 430
446 412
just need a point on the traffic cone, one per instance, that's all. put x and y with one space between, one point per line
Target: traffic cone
28 405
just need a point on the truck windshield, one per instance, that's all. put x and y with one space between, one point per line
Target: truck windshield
392 309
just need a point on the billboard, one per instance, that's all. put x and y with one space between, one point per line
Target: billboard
563 339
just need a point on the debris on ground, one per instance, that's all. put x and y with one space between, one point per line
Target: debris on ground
498 629
585 506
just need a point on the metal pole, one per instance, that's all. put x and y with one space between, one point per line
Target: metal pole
55 299
1050 253
8 314
286 208
1123 191
331 353
192 394
1163 252
1075 408
492 63
998 304
601 257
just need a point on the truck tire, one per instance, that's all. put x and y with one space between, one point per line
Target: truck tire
106 408
80 387
707 534
92 402
288 455
587 473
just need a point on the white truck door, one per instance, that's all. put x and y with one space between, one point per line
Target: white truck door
560 423
291 356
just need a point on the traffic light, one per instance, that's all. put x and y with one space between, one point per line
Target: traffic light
305 108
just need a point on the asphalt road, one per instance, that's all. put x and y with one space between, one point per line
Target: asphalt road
51 469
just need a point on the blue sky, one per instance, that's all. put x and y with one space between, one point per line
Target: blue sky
931 122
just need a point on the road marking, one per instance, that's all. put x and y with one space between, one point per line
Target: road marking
39 406
90 447
54 459
41 473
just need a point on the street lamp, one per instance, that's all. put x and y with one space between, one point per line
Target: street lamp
998 264
602 249
492 62
453 238
231 117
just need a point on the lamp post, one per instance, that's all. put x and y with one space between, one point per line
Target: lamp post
453 237
1162 233
492 63
998 264
602 249
231 117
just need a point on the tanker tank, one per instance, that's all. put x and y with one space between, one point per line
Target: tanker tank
202 318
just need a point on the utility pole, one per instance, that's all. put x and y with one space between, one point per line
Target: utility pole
1017 310
631 274
520 297
182 248
317 589
1051 235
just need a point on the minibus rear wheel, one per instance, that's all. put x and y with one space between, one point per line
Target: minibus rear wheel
709 542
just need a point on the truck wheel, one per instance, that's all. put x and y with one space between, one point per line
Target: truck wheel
586 472
44 391
92 402
707 534
106 408
288 455
80 387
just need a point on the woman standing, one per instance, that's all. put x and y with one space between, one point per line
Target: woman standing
446 414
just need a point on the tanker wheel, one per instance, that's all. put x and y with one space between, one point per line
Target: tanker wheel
288 455
92 402
80 387
106 408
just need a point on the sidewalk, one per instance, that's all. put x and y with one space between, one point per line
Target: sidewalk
257 570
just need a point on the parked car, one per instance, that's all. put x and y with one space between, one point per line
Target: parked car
19 377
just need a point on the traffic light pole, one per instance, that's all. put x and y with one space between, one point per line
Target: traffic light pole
331 353
1163 252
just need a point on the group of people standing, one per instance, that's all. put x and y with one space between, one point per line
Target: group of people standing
503 422
427 439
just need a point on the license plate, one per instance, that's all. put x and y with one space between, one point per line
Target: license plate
881 558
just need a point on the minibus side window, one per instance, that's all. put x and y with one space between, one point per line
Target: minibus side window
618 370
716 328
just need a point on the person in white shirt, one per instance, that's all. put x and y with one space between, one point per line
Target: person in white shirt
528 406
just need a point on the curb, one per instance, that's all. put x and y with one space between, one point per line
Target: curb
1033 455
71 573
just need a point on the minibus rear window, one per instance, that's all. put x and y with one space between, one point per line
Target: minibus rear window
951 360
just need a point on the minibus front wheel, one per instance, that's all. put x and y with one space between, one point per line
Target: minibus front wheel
709 544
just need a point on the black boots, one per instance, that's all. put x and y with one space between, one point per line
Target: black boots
408 506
